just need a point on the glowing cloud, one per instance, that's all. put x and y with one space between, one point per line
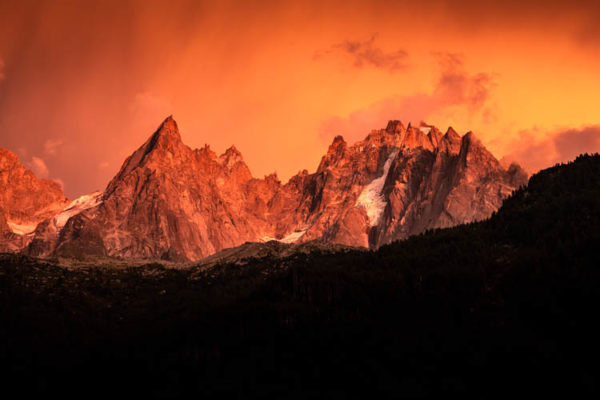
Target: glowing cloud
39 168
454 87
51 145
100 75
365 53
557 146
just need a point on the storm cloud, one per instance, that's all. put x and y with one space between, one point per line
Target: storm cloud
366 53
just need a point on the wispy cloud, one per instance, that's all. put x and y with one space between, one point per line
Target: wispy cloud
60 183
557 146
51 146
366 53
39 167
146 107
454 87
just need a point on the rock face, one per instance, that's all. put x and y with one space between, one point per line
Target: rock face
46 235
399 182
25 201
171 202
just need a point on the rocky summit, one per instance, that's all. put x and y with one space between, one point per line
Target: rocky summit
171 202
25 201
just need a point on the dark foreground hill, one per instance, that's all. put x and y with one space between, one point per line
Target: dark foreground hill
503 307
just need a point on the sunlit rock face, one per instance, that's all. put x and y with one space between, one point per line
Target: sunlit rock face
402 181
171 202
25 201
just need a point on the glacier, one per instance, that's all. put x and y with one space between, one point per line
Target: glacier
371 198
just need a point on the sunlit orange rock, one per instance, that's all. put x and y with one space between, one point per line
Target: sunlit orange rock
171 202
25 201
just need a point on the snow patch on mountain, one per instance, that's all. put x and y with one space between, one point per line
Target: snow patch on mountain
371 198
291 238
21 229
76 206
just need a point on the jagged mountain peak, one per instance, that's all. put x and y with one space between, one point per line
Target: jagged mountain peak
272 178
206 152
165 140
395 126
231 156
452 134
473 151
169 201
169 122
470 136
471 140
17 180
434 135
338 141
25 201
7 156
232 151
336 151
450 142
417 137
166 136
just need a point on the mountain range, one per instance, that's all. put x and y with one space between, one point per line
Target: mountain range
171 202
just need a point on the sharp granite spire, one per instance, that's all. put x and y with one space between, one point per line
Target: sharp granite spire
171 202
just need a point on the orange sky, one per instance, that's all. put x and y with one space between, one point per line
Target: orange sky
84 83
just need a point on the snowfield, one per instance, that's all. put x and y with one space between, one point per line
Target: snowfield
19 229
371 198
76 206
425 129
291 238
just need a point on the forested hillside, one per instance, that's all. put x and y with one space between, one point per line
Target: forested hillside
502 307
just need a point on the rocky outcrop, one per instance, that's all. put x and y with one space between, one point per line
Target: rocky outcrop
251 251
171 202
9 241
47 232
25 201
400 182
